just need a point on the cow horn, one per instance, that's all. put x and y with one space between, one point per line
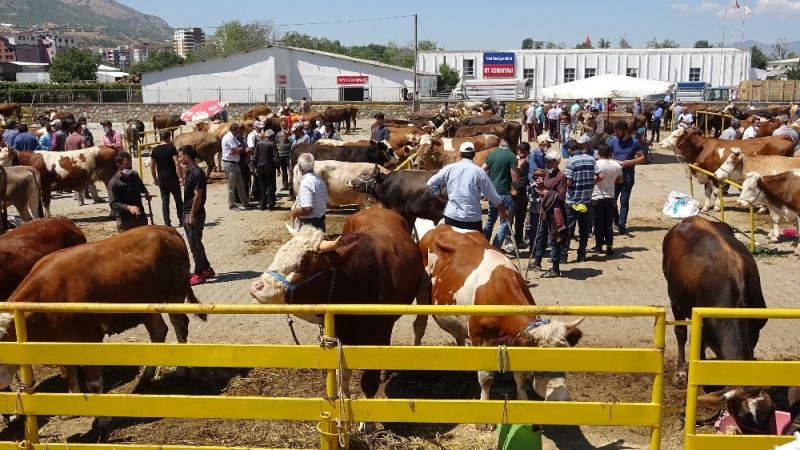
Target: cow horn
575 323
292 231
329 246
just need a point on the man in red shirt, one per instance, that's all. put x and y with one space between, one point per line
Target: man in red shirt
111 137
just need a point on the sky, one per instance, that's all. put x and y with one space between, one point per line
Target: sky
462 26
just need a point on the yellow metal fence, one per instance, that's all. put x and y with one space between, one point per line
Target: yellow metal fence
722 117
145 144
331 410
733 373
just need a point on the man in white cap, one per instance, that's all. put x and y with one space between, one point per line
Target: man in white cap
787 132
751 131
464 183
253 138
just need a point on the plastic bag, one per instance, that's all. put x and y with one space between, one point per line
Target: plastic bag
795 444
680 206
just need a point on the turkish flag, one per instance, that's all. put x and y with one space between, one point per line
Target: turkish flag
737 4
588 40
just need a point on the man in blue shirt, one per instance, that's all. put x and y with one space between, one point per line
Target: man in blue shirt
25 141
381 132
464 183
655 130
581 171
501 166
628 152
10 133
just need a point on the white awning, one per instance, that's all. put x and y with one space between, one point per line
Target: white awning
607 86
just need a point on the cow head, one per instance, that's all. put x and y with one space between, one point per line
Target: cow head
7 371
751 407
751 194
729 166
555 334
297 262
6 157
366 182
671 142
427 156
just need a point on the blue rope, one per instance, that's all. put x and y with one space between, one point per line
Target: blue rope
537 323
292 286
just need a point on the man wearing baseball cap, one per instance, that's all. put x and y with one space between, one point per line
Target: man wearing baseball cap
465 182
787 132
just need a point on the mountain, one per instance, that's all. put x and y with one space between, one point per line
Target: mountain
90 22
793 46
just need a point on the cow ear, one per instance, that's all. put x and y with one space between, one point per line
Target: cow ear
574 335
717 399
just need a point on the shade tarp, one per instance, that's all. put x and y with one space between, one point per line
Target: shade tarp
203 110
607 86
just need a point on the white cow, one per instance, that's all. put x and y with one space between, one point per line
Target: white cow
753 194
337 175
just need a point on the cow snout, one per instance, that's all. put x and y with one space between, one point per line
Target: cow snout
267 291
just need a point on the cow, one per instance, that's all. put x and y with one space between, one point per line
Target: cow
161 121
709 153
337 176
511 131
435 153
9 109
23 190
71 170
752 408
336 116
206 144
53 279
766 128
403 191
374 261
706 121
22 247
256 111
134 135
481 120
780 193
692 250
737 166
466 270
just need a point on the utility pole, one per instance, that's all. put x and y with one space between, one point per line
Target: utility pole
414 105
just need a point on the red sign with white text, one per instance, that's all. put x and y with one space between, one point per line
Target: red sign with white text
352 79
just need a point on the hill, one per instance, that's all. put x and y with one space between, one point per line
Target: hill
90 22
793 46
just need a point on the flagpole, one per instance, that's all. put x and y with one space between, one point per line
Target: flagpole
724 21
744 13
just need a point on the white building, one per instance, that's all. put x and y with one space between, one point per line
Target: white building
184 40
537 69
777 69
275 74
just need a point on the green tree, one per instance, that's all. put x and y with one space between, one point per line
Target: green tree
552 45
793 73
603 43
791 55
703 44
664 43
234 37
74 64
623 43
157 61
584 44
448 78
779 49
757 58
527 43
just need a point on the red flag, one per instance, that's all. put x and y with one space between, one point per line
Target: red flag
737 4
588 40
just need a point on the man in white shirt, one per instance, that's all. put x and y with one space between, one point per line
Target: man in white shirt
552 120
752 130
677 110
232 148
312 198
686 119
609 174
530 119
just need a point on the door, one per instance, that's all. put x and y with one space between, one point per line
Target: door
352 94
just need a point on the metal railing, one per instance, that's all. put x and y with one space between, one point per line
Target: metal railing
721 198
145 145
733 373
332 409
722 117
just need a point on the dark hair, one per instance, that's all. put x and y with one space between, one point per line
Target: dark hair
165 134
105 123
122 157
11 123
82 119
524 146
572 144
604 150
621 125
23 128
235 127
75 127
189 151
379 116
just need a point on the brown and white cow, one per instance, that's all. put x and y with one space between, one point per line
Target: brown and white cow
435 153
753 408
466 270
23 190
23 246
692 253
374 261
511 131
709 154
337 176
780 193
160 275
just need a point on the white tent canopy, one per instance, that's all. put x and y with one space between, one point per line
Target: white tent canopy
607 86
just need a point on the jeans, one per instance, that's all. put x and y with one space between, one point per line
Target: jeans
563 132
543 239
531 131
583 221
267 185
520 210
476 226
533 223
283 165
603 212
655 130
552 125
622 192
194 236
316 222
167 188
233 173
505 227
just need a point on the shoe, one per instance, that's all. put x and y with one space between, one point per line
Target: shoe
508 247
581 258
196 279
594 250
552 273
262 208
609 251
99 200
535 266
208 273
622 230
563 259
241 208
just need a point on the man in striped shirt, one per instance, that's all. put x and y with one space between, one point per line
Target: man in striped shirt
312 198
581 172
785 131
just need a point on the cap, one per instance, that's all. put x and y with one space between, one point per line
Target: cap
545 138
783 118
269 134
55 122
553 155
467 147
297 126
762 120
584 139
258 124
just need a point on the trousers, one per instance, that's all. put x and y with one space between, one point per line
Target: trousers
194 236
169 188
233 173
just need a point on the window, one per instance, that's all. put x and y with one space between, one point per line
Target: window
469 68
527 74
694 74
569 75
632 72
589 72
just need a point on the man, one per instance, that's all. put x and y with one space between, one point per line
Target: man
501 166
312 198
751 131
75 140
655 129
530 119
232 148
552 121
564 129
381 132
312 133
10 133
265 157
464 183
305 107
609 175
573 112
87 135
628 152
194 213
677 110
283 141
580 172
551 228
732 132
668 99
520 197
501 110
686 119
125 192
59 136
46 140
637 106
784 131
24 141
111 137
164 168
540 119
536 157
249 170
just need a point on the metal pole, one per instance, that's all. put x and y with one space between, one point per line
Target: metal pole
659 339
691 388
752 230
26 378
328 436
414 105
721 195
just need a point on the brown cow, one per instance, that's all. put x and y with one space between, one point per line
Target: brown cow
337 116
23 190
23 246
206 144
53 279
752 408
256 111
466 270
767 128
692 253
511 131
781 193
167 121
9 109
435 153
709 153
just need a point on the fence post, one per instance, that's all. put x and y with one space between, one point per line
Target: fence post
721 195
659 340
328 432
705 124
752 230
691 387
26 379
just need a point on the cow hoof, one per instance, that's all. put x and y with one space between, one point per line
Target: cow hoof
101 423
773 239
716 209
486 426
681 379
366 427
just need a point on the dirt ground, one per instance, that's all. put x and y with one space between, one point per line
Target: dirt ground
240 246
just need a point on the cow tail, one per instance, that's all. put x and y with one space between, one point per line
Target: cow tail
40 206
3 209
193 299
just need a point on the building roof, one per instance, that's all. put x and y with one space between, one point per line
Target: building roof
595 50
29 64
785 61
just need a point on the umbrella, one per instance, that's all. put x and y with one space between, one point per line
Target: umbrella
203 110
607 86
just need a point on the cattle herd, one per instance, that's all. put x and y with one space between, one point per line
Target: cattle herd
388 253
